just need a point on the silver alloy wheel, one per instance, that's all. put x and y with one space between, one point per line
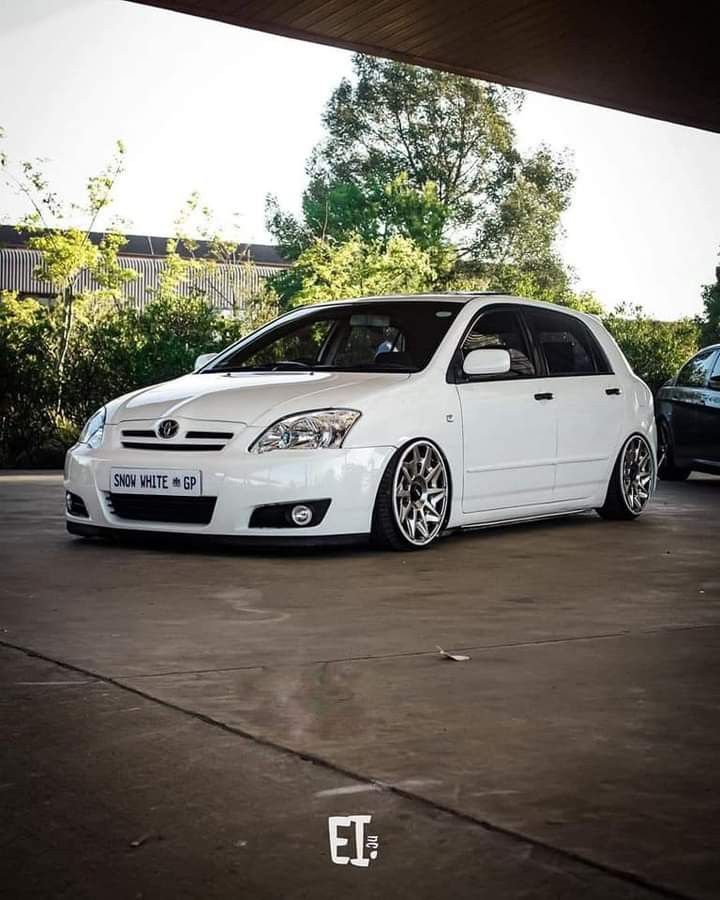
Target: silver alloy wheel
420 493
636 472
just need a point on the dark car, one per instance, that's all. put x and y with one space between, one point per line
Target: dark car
688 418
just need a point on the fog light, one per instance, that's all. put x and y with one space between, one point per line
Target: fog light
75 505
301 514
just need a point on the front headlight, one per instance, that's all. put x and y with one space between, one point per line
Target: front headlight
307 431
92 433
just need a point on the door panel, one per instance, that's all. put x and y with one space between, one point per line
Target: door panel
684 423
709 418
589 402
509 436
687 396
589 425
510 444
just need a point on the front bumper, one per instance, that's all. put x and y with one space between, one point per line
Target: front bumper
241 482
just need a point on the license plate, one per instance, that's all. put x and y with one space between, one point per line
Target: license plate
170 482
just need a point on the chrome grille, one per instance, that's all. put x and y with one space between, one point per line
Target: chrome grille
191 442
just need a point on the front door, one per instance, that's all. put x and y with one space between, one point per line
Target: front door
687 397
709 417
509 423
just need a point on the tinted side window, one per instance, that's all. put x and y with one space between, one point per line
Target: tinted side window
501 329
695 373
567 345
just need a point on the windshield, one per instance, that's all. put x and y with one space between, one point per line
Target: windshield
398 336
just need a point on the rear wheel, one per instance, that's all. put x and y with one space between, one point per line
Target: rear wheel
667 470
413 499
631 481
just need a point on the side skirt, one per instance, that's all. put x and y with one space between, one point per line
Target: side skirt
519 521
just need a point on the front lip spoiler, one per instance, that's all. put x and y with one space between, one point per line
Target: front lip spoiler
135 535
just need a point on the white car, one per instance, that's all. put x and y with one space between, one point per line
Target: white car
394 419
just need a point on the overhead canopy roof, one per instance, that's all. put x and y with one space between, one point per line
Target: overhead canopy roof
651 57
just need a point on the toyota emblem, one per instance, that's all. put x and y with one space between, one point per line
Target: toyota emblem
168 428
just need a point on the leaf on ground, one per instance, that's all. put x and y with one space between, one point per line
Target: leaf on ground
456 657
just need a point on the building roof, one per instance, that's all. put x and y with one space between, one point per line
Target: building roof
146 245
226 286
653 58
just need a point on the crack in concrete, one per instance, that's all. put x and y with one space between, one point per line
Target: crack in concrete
481 648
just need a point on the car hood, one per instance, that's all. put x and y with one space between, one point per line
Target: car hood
250 397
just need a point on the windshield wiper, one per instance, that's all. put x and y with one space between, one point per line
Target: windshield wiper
292 364
283 365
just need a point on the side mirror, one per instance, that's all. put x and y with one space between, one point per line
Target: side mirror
203 360
714 382
487 362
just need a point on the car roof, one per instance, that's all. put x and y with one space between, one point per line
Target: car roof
459 297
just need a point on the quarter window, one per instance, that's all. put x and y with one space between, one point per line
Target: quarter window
566 343
501 330
695 373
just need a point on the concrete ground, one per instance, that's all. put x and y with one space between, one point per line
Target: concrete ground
180 722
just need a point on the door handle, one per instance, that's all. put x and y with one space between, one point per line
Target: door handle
613 391
545 396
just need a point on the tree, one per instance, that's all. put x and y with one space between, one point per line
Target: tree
437 128
328 270
66 251
432 157
372 211
709 322
215 276
60 360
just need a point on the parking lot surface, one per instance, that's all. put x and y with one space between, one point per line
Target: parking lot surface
181 722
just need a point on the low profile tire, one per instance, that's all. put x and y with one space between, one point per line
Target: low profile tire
631 481
413 499
667 470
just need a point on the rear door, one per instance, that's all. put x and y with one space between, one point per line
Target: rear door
588 399
509 423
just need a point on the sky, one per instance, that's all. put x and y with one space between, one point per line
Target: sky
234 114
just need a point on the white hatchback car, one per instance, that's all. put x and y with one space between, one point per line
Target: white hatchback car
394 419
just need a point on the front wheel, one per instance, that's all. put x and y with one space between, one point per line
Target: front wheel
631 482
413 498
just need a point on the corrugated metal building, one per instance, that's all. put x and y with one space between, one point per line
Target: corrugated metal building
225 288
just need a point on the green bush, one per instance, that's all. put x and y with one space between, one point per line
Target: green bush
26 376
654 349
112 350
